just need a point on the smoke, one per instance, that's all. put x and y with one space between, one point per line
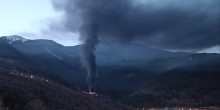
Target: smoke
89 34
170 24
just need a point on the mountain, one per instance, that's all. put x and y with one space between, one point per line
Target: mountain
49 55
8 51
110 53
24 91
53 58
25 86
122 54
125 70
196 61
12 59
13 38
179 88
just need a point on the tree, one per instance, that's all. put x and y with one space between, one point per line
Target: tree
35 105
1 102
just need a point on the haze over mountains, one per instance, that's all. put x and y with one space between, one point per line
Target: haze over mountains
136 74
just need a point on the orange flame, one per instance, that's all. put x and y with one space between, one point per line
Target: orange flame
90 91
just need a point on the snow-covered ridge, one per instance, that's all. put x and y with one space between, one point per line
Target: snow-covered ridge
11 39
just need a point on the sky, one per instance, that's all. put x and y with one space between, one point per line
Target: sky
29 18
172 24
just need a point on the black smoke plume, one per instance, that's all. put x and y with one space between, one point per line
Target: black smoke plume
169 24
89 34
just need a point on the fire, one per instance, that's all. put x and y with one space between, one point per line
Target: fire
90 92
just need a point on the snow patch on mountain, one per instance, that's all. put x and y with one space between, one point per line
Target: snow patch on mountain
13 38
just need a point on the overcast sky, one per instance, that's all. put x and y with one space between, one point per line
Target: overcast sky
30 19
173 25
